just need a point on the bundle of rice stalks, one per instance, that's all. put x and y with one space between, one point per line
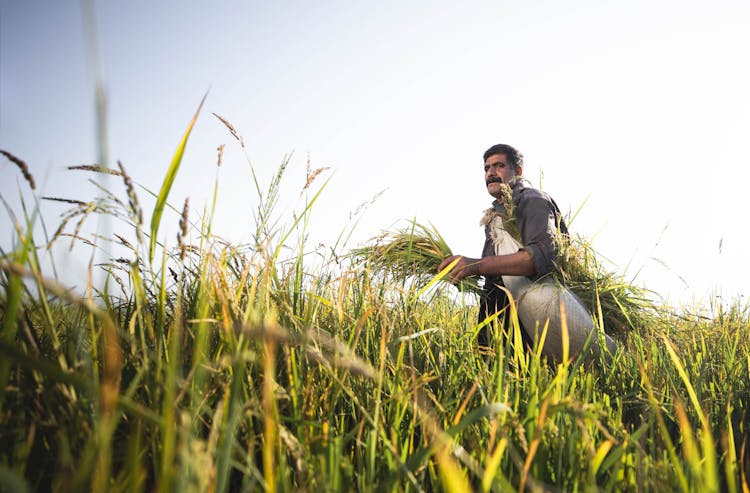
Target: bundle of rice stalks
624 306
412 253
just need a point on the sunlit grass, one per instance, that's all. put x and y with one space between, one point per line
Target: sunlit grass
222 367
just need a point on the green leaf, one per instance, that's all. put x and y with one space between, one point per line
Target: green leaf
166 185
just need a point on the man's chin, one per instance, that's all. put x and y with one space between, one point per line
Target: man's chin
494 189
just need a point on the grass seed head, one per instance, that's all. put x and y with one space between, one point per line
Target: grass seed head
22 166
231 129
183 228
220 152
311 175
135 207
66 201
96 168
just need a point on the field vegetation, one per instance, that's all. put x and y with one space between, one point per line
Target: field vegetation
273 366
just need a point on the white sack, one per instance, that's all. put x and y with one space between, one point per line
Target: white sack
539 302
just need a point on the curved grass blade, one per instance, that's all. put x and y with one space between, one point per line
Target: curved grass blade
166 185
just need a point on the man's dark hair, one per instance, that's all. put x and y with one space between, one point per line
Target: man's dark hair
515 158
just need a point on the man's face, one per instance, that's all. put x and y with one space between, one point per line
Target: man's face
497 171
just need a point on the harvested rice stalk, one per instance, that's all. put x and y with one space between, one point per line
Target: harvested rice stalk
414 253
624 306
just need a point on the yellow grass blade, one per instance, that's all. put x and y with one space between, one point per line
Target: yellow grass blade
685 379
601 453
710 470
730 462
689 447
452 477
437 278
565 334
465 403
534 444
493 464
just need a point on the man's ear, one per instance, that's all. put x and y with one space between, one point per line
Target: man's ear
519 170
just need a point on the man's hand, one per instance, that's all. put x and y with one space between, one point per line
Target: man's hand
514 264
465 267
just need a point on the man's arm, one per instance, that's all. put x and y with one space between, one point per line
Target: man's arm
536 221
515 264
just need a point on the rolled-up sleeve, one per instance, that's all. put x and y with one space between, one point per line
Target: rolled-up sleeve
536 221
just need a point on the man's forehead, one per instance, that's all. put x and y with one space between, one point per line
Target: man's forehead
497 158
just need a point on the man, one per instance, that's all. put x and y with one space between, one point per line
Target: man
539 223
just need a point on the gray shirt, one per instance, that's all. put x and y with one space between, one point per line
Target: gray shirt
538 220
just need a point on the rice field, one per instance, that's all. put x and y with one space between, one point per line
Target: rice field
206 366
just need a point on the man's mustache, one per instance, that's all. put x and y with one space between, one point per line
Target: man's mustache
494 180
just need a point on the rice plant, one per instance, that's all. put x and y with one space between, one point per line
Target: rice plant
208 366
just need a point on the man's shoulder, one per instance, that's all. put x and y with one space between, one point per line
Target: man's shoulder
523 191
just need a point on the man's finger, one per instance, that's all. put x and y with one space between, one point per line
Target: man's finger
445 262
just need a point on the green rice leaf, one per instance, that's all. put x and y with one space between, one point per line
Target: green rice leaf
166 185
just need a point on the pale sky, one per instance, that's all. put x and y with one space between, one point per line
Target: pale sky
639 108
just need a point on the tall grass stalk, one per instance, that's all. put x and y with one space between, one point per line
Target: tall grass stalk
166 185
